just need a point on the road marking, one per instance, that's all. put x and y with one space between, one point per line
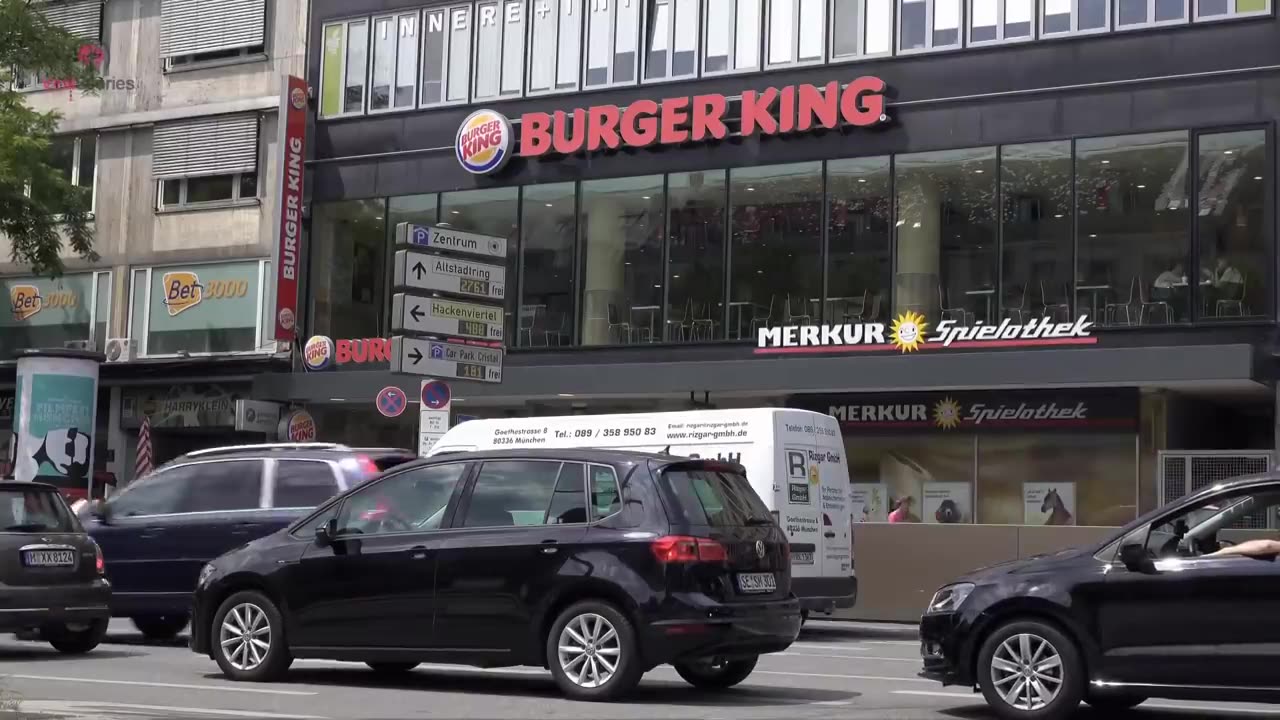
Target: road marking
74 706
832 702
912 643
939 693
826 646
430 666
178 686
977 697
844 677
914 661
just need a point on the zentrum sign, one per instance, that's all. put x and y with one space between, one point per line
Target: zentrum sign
484 138
910 332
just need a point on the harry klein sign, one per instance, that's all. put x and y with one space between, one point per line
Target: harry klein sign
486 139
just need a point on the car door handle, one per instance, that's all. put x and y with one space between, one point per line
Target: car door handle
151 532
418 553
548 547
244 528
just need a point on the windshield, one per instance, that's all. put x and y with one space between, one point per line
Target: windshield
34 511
716 498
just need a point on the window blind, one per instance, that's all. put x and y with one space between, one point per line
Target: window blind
191 27
205 146
82 18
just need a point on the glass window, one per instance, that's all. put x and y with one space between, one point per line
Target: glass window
555 45
102 310
621 260
499 49
548 230
224 486
395 61
333 70
62 156
1059 479
928 24
35 510
775 255
732 42
158 494
446 55
912 479
1134 238
413 500
1070 16
86 160
795 31
1235 262
357 59
1035 263
1219 9
1210 525
878 35
946 246
671 39
606 496
514 492
860 197
491 211
612 40
212 188
303 484
207 308
696 202
860 27
995 20
569 503
717 499
348 247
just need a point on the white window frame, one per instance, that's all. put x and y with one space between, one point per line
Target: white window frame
796 33
861 29
1229 15
1150 22
733 40
673 18
142 334
1002 9
611 7
182 203
342 76
503 27
1075 21
446 64
395 19
929 16
578 5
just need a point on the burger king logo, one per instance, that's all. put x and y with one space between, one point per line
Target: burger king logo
298 97
483 145
298 426
318 353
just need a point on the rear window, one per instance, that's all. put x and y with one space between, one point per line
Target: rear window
35 511
716 498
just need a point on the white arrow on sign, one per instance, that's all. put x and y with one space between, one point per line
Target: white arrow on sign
433 358
420 271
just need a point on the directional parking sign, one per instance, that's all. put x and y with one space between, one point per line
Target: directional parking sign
421 356
440 316
431 237
420 271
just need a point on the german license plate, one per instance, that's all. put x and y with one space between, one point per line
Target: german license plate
757 582
802 558
48 558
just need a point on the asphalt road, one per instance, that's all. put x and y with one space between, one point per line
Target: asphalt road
835 670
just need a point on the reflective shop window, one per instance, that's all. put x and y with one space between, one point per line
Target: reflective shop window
671 39
1035 262
999 20
928 24
1140 13
731 38
500 29
695 255
859 237
491 211
1231 222
554 45
446 55
861 27
348 252
548 232
1223 9
1075 16
612 45
795 31
622 260
343 68
395 62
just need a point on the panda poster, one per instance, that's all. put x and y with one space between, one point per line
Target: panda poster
947 502
1049 503
55 432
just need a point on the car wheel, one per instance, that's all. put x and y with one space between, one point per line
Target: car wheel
593 653
248 638
716 673
1029 670
77 638
1114 701
160 628
392 668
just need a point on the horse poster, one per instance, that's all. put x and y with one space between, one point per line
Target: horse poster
1049 503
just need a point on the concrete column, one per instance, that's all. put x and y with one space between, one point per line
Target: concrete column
919 246
603 276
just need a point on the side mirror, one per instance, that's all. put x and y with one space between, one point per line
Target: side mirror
1135 557
325 533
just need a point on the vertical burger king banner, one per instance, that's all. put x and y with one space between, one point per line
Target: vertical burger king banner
290 144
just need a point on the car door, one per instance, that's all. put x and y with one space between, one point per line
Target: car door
516 532
134 539
1194 618
373 586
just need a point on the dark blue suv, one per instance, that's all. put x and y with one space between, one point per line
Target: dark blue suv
160 530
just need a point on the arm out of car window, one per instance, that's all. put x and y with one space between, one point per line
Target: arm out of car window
1251 548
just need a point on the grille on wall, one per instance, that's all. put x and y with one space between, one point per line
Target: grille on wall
1184 472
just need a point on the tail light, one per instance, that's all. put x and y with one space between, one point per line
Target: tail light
685 549
98 563
367 466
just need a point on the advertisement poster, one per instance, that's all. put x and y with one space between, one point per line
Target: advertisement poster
868 502
1049 503
948 502
55 436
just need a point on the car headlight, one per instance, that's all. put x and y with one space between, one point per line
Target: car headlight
949 598
206 572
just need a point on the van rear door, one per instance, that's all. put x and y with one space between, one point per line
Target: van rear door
720 527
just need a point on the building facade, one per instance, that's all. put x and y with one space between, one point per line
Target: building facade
1025 252
180 150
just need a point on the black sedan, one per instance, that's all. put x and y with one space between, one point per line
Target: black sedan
1170 607
51 572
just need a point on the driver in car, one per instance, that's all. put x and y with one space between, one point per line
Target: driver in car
1261 548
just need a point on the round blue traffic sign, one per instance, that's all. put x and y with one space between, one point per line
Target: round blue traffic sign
391 401
435 394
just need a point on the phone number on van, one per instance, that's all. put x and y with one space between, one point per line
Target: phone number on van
607 432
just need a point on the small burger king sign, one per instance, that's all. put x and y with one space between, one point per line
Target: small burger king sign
484 141
297 426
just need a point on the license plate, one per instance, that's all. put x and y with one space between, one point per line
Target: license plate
49 558
802 558
757 582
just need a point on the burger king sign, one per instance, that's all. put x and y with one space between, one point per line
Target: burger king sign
484 141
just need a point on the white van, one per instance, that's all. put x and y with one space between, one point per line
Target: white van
793 458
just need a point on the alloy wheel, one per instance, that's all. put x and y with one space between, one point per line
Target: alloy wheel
589 650
1026 671
245 636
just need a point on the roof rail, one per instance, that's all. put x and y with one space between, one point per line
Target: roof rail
266 446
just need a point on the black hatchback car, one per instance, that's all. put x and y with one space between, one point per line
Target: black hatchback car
598 565
161 529
1156 611
51 574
